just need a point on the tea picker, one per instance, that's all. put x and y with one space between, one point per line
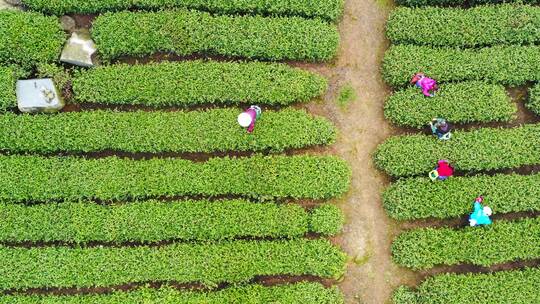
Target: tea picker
248 118
440 128
442 172
426 84
480 214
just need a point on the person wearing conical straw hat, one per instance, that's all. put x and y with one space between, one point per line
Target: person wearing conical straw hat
248 118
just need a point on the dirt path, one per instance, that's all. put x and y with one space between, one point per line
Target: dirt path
371 276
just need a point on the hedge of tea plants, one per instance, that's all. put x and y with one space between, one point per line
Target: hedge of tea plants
207 263
37 178
477 150
463 102
153 221
472 27
502 241
420 198
330 10
516 286
507 65
197 131
189 32
303 292
197 82
8 99
464 3
533 102
27 39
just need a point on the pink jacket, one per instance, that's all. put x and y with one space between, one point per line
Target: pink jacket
253 115
426 84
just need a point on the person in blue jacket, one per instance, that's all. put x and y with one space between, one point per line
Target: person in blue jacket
480 214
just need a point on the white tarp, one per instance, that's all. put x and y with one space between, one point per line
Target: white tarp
38 95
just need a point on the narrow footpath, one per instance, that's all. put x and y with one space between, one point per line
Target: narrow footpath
371 276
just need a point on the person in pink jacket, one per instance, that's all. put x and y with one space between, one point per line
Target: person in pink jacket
248 118
426 84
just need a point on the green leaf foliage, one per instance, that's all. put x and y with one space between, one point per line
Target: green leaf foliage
207 263
215 130
8 99
326 219
517 287
533 103
298 293
27 39
473 27
463 102
420 198
466 3
189 32
503 241
330 10
507 65
477 150
35 178
197 82
153 221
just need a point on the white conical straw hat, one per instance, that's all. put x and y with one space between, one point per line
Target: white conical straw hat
487 211
244 119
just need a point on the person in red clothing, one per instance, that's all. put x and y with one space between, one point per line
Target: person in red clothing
443 171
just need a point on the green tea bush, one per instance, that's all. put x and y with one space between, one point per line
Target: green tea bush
197 82
533 103
508 65
462 102
503 241
419 3
466 3
303 292
197 131
420 198
207 263
153 221
516 286
330 10
8 99
189 32
326 219
473 27
35 178
477 150
27 39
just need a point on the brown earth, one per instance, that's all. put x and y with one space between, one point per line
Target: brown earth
371 276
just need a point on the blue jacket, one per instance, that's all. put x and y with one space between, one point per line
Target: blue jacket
479 216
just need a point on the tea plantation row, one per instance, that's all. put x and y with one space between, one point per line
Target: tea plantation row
463 102
194 131
473 27
463 3
507 65
503 241
476 150
327 9
288 293
517 286
39 39
153 221
37 178
190 32
29 38
420 198
197 82
207 263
